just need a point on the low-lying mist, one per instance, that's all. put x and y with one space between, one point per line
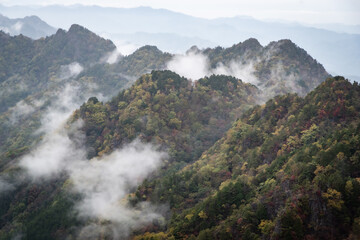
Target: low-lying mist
195 65
70 70
103 182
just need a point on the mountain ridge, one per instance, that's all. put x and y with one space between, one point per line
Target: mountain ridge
41 58
30 26
326 46
266 173
233 168
277 68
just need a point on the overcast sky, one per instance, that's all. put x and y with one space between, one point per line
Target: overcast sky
305 11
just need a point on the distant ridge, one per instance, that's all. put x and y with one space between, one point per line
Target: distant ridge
30 26
26 65
338 52
278 68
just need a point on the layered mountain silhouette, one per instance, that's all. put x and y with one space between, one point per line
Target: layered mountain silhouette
31 26
337 51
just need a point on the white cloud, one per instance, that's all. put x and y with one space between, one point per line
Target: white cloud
5 29
23 109
47 159
195 65
106 180
75 68
191 65
51 157
103 182
70 70
245 72
123 48
112 57
18 26
126 48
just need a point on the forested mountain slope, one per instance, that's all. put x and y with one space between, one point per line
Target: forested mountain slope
163 107
183 117
34 75
286 170
31 66
278 68
233 170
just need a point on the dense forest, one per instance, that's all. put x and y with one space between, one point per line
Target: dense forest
162 106
287 169
273 159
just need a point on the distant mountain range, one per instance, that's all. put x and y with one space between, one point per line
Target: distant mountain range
340 28
32 27
175 32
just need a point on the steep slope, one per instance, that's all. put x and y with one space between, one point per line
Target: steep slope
278 68
185 118
170 110
143 60
79 44
29 65
31 26
35 74
16 52
162 108
288 169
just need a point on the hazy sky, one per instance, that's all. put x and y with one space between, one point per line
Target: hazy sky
306 11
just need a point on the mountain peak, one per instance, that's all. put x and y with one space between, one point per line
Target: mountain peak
60 32
332 84
78 44
148 48
33 17
252 43
193 49
77 28
284 43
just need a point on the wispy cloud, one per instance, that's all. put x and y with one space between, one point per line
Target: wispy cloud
191 65
24 108
111 57
70 70
103 182
195 65
5 185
